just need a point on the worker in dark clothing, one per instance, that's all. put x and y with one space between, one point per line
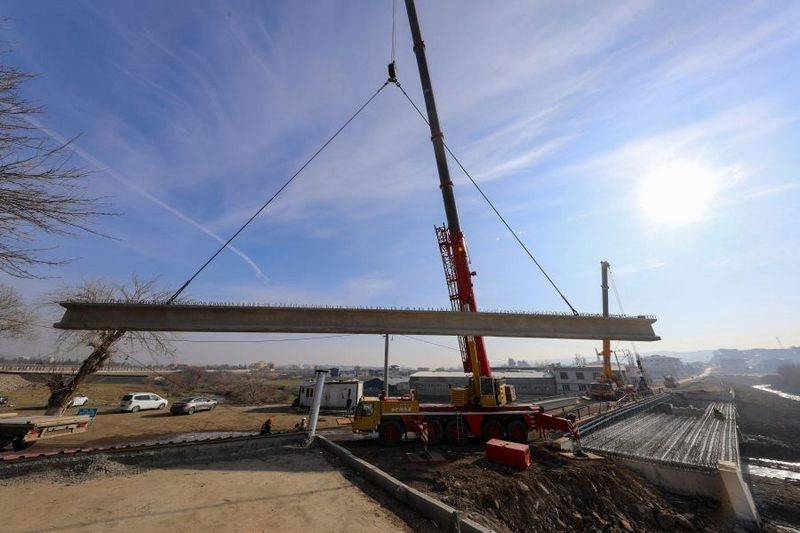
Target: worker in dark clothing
266 429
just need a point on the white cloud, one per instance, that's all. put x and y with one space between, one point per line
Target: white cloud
635 268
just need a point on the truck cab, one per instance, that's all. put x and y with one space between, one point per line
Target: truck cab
371 410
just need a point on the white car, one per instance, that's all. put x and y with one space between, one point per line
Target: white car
78 400
139 401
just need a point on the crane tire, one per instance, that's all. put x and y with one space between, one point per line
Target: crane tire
493 429
390 433
517 431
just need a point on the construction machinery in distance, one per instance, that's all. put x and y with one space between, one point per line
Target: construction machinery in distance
611 386
485 407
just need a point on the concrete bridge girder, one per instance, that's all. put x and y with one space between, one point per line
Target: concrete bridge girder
266 319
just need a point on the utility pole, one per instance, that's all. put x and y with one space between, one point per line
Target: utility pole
314 416
386 366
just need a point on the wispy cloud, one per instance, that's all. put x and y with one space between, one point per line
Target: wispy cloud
773 189
102 167
635 268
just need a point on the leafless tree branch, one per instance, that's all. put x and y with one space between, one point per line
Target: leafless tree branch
40 191
105 344
15 318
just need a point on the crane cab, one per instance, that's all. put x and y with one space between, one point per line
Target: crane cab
370 411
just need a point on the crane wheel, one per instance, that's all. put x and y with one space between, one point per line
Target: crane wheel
435 432
493 429
455 433
517 431
390 433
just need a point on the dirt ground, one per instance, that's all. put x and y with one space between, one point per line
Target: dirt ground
290 491
770 427
555 494
770 424
113 427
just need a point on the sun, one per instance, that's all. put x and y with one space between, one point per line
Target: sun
677 193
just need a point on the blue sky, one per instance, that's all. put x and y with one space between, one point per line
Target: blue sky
660 136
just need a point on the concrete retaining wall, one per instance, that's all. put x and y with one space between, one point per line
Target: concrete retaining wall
725 485
165 455
445 516
678 480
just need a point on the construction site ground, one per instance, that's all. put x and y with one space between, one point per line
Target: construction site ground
288 489
770 427
555 494
111 427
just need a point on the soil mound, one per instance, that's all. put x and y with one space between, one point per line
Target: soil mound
555 494
11 382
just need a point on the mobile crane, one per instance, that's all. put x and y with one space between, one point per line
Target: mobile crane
482 408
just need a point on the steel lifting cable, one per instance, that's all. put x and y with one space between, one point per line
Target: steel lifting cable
279 191
619 304
496 212
394 29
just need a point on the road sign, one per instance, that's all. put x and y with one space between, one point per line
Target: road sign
88 411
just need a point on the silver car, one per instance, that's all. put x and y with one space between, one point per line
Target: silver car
187 406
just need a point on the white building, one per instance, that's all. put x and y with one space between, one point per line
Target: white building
659 366
578 378
334 393
435 386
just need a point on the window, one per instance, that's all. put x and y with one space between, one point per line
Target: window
564 376
364 409
579 376
581 387
596 376
565 387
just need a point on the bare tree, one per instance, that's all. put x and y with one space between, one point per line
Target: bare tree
40 192
105 344
15 318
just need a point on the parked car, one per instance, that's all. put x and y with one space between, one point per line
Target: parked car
191 404
139 401
78 400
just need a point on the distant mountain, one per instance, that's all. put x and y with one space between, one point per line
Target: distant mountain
689 357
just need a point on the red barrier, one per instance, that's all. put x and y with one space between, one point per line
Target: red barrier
508 453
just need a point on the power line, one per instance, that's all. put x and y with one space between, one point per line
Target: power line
502 219
431 343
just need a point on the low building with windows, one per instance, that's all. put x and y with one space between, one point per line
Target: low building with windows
435 386
334 393
659 366
576 379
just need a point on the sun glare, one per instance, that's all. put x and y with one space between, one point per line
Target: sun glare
677 193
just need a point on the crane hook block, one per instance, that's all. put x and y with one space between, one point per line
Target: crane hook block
392 72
